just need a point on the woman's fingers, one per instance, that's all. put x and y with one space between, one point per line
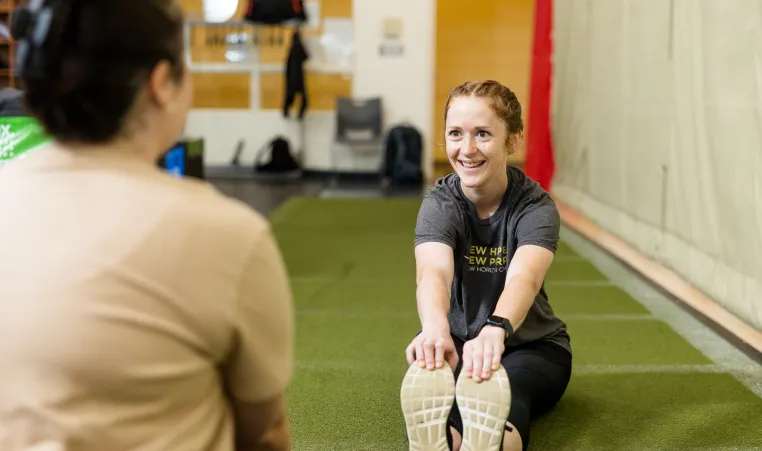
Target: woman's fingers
428 349
419 354
410 353
439 354
480 358
498 354
486 366
477 358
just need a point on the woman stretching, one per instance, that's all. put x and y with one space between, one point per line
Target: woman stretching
485 238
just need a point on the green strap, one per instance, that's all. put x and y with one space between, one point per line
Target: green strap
19 135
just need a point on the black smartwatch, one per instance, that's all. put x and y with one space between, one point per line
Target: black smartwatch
502 323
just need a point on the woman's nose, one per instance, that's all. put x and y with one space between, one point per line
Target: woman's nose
469 146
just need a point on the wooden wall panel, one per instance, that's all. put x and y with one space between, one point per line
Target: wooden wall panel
271 91
322 89
274 44
208 43
336 8
222 90
194 9
499 47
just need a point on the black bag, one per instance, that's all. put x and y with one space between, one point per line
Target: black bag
403 155
281 159
275 12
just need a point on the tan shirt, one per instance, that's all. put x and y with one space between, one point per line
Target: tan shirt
130 301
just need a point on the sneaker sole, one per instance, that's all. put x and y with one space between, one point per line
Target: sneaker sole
427 398
484 408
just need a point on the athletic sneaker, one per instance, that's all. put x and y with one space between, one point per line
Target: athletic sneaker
427 397
484 408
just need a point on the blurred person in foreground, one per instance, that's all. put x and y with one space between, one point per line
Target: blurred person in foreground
138 311
491 355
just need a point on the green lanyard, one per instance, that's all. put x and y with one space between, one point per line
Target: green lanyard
19 135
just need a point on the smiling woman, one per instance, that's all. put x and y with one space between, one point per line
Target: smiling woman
484 240
483 126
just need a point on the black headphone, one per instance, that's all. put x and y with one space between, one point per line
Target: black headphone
39 24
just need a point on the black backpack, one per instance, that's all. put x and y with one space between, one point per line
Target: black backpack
275 12
281 159
403 155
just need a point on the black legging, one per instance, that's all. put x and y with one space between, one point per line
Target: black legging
538 372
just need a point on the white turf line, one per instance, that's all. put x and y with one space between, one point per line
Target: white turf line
715 347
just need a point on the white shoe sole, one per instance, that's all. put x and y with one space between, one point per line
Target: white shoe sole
427 398
484 408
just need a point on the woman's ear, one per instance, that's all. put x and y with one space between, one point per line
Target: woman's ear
160 84
514 142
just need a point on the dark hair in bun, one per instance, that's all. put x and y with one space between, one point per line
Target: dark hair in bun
82 79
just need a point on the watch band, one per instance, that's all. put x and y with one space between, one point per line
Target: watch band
502 323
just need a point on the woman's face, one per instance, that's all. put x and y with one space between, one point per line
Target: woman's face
475 141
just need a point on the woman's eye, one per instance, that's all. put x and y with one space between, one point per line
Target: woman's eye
482 134
454 133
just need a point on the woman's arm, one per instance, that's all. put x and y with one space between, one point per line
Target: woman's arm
523 281
436 233
260 364
537 235
434 273
435 268
525 275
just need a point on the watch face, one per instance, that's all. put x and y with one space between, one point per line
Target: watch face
497 319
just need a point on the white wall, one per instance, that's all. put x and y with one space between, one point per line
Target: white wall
657 119
405 83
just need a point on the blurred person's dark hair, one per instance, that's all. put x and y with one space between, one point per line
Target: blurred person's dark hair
84 63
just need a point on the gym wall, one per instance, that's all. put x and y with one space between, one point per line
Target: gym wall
239 105
656 123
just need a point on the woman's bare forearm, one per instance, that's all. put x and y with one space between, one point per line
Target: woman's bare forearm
433 296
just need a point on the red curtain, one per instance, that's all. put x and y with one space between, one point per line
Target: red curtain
539 164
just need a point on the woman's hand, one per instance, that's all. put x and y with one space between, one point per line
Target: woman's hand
482 355
431 348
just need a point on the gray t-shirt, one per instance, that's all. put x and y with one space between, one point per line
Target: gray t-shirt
483 249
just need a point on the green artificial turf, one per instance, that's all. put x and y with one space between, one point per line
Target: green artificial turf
575 271
594 300
653 411
353 276
565 251
630 342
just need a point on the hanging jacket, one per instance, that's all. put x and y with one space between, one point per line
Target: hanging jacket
295 81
